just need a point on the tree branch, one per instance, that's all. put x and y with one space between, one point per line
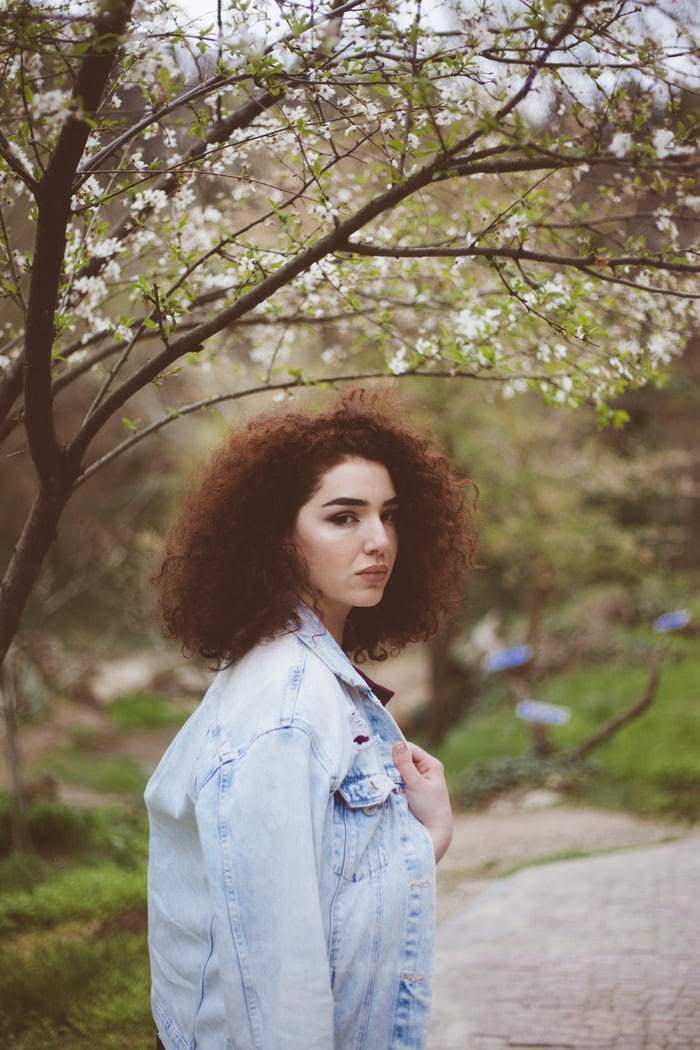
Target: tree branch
610 728
169 181
53 194
590 261
269 284
14 163
196 93
327 244
10 387
575 9
281 386
17 296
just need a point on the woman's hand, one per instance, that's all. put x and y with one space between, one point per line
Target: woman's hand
426 793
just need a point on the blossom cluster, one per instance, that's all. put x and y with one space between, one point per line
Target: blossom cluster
405 185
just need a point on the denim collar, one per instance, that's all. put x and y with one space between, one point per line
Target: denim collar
319 639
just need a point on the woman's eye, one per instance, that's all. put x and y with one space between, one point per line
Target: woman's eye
343 519
390 516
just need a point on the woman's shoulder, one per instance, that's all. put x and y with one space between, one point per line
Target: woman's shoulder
281 683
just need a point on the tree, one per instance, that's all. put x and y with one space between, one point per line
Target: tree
396 188
555 494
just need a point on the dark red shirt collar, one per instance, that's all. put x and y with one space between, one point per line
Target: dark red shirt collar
382 693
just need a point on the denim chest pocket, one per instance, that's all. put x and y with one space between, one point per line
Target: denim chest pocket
361 815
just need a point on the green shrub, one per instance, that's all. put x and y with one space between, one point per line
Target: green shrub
95 769
53 826
22 871
57 829
486 780
146 711
74 964
44 983
74 894
76 991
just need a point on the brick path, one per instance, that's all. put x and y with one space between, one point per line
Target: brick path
601 953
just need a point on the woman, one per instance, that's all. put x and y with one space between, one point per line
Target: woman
294 833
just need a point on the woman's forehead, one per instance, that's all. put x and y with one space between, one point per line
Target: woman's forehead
355 476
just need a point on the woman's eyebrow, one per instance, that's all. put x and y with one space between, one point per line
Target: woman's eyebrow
350 501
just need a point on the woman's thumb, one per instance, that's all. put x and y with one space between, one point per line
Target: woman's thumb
403 758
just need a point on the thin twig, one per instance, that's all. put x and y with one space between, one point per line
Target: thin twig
610 728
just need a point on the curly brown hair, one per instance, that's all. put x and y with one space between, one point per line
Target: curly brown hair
230 575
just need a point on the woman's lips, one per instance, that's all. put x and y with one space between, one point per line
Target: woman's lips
374 573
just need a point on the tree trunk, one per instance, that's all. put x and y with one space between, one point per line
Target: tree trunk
20 836
21 575
450 686
25 564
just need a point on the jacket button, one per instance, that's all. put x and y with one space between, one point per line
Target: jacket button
369 810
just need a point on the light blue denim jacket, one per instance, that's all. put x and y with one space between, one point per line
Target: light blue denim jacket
291 891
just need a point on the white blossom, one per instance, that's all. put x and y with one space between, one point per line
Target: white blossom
664 142
326 211
281 180
149 199
22 261
121 333
107 247
621 144
513 225
397 362
49 103
513 387
662 346
262 355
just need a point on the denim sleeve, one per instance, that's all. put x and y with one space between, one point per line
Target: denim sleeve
261 821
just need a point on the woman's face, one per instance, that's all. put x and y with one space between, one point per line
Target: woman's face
347 536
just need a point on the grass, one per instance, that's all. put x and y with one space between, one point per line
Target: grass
79 894
74 990
74 965
650 767
93 769
144 711
92 761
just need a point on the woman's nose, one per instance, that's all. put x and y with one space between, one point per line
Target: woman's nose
377 537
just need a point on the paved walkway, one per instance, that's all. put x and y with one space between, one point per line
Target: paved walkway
600 953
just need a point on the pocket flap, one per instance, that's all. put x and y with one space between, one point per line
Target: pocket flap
362 791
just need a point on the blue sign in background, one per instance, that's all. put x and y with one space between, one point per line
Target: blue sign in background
537 711
672 621
505 659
